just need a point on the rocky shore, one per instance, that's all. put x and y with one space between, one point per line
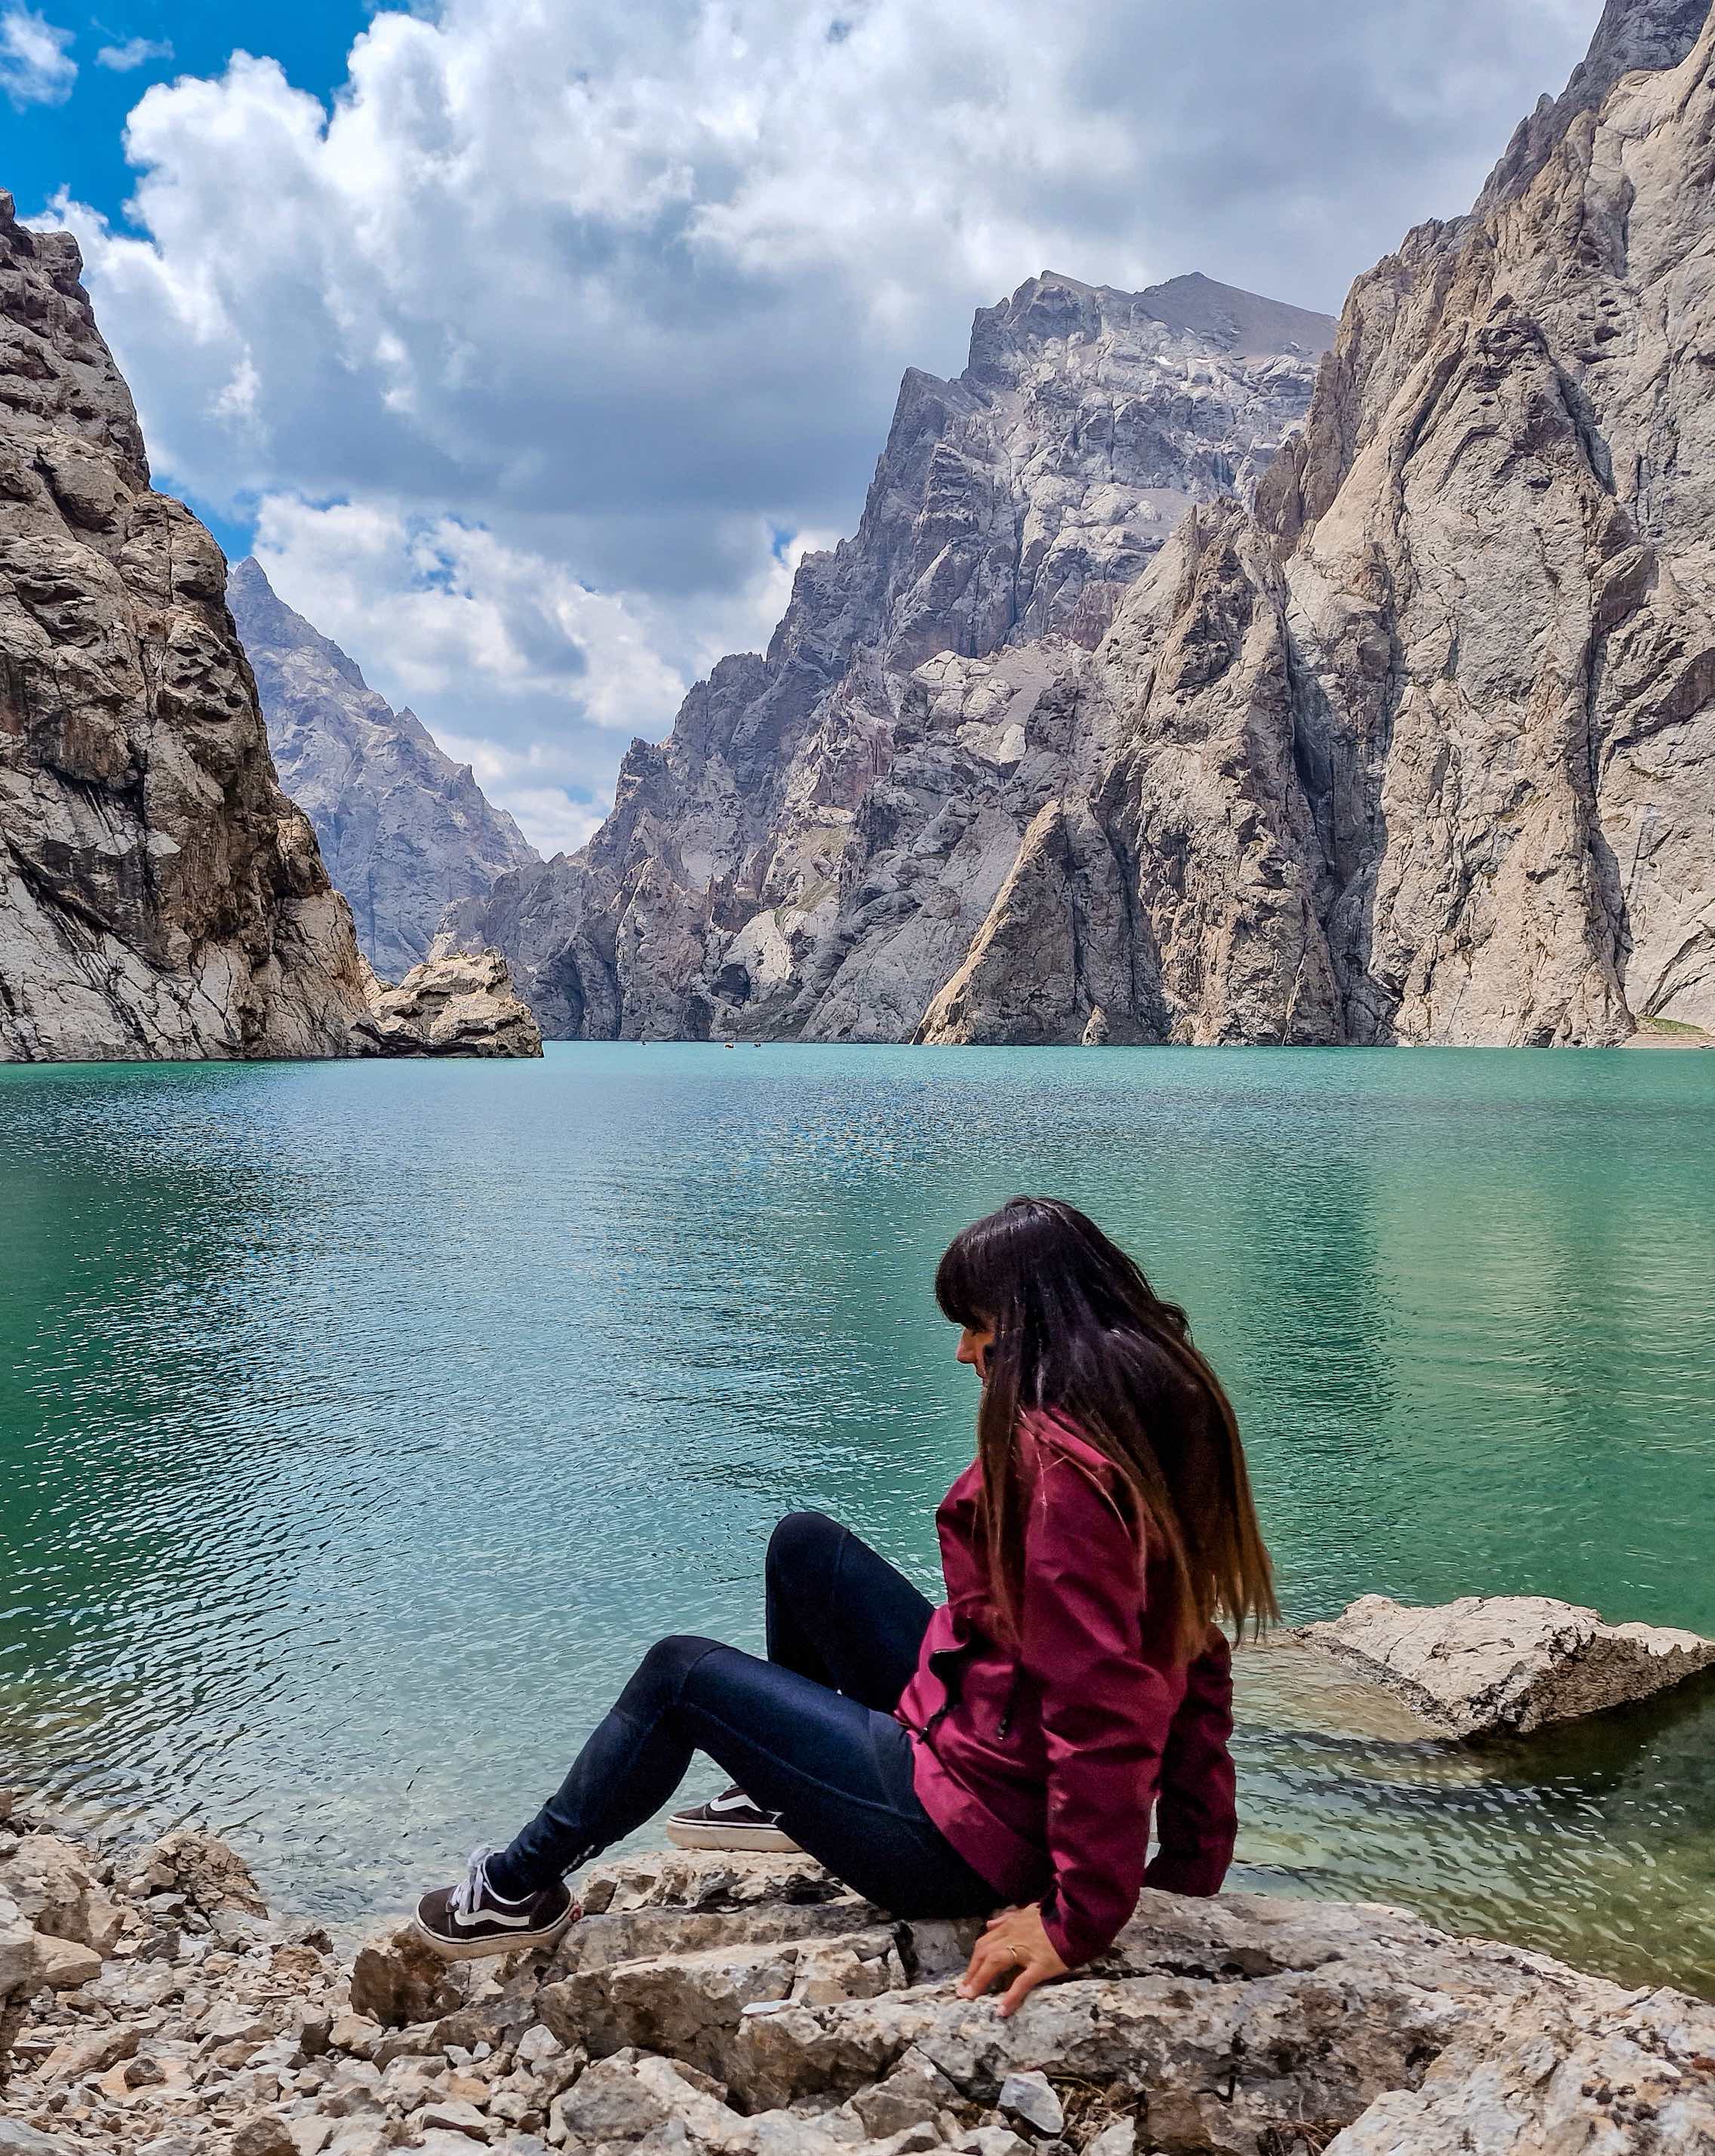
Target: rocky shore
708 2005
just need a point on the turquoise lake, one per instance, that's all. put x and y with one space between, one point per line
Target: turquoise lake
360 1425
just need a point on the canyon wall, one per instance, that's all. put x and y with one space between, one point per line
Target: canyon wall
159 895
1416 746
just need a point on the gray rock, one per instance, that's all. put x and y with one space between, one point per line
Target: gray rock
1505 1663
454 1004
17 2139
913 2094
404 831
161 897
1030 2099
50 1881
64 1964
1626 2078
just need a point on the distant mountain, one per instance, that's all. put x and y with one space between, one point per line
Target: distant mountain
775 866
404 831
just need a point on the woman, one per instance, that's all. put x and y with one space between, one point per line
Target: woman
1004 1752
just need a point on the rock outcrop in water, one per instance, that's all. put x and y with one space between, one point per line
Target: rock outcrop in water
404 831
813 850
454 1004
717 2006
1490 1665
1422 750
159 896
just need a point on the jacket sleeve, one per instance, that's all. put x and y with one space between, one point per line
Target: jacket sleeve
1196 1819
1104 1710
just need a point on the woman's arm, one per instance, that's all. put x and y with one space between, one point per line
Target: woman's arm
1104 1710
1196 1817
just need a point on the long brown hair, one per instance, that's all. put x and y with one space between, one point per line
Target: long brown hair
1079 1329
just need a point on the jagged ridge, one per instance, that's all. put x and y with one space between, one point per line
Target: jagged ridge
404 831
1012 507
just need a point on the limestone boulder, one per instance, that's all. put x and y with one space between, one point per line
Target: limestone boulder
1490 1666
1241 2025
456 1002
50 1883
1625 2076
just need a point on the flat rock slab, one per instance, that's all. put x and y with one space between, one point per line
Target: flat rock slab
1499 1664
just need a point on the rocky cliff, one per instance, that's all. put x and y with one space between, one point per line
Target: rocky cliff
159 895
404 831
814 848
1421 750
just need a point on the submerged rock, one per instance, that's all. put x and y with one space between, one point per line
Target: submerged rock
1492 1665
458 1003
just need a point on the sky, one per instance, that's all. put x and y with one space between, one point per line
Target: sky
530 343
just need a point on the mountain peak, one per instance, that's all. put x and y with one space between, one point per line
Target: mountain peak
1652 34
1244 325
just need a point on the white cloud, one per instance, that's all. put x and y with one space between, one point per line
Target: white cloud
517 667
538 787
133 53
595 300
36 68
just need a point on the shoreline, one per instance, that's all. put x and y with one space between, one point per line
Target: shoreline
714 2005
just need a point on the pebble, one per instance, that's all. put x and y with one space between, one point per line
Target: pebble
1030 2098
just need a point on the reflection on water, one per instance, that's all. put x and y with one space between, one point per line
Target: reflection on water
361 1425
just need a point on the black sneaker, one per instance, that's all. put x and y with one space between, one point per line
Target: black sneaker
465 1921
728 1821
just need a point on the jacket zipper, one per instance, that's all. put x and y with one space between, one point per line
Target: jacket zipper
952 1656
1012 1701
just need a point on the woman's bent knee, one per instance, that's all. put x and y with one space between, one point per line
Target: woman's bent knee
663 1671
803 1542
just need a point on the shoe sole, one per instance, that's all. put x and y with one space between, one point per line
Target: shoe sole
759 1840
487 1949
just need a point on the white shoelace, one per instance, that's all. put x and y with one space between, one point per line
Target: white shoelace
470 1889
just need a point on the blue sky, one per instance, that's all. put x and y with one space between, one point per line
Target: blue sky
531 342
77 146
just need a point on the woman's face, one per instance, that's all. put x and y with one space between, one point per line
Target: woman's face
973 1345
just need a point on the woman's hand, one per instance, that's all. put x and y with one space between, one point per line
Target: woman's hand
1014 1944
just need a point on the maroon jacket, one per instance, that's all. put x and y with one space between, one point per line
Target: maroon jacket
1040 1764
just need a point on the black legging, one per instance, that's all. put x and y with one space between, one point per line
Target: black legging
808 1733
